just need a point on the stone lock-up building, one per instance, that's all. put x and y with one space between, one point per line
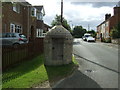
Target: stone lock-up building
58 46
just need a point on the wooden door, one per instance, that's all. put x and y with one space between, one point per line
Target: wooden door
57 49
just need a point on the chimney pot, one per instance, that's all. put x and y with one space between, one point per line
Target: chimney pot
107 16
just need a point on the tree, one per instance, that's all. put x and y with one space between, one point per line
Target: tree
78 31
92 32
114 33
57 21
118 29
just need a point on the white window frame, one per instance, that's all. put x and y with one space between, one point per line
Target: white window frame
39 33
107 24
39 16
14 28
33 12
16 7
18 29
107 34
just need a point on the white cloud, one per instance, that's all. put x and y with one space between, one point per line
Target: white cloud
78 14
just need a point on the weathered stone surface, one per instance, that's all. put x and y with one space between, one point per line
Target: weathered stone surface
58 46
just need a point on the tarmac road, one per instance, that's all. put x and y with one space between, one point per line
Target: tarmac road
98 52
98 66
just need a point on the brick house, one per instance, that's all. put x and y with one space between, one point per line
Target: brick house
104 29
39 22
46 28
22 17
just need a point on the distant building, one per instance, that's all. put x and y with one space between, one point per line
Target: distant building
103 29
22 17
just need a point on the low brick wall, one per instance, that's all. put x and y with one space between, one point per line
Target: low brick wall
116 41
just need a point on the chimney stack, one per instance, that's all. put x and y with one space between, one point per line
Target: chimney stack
116 10
107 16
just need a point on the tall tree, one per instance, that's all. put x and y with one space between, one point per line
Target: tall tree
92 32
78 31
57 21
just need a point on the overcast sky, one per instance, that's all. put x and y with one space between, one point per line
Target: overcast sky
76 12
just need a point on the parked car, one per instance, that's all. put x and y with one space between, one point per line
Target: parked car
86 35
83 38
90 39
12 39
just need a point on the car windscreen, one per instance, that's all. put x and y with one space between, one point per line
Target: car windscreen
2 35
90 37
22 36
87 35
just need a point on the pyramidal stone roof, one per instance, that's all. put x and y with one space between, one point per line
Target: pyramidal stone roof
59 31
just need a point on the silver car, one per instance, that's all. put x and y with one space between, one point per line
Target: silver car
13 39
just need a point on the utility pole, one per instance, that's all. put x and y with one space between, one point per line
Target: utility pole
70 23
88 27
72 27
61 12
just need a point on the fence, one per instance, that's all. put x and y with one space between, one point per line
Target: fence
11 55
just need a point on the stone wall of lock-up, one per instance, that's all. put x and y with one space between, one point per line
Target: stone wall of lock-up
58 46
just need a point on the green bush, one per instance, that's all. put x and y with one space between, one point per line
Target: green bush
103 39
108 40
114 33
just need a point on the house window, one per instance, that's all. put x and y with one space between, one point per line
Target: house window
12 27
33 12
39 16
16 7
15 28
107 24
18 29
40 33
107 34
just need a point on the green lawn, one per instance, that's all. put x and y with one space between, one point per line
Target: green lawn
30 73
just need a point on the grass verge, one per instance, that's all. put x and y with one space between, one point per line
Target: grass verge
30 73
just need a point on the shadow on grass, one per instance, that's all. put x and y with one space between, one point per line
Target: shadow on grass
56 73
22 68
